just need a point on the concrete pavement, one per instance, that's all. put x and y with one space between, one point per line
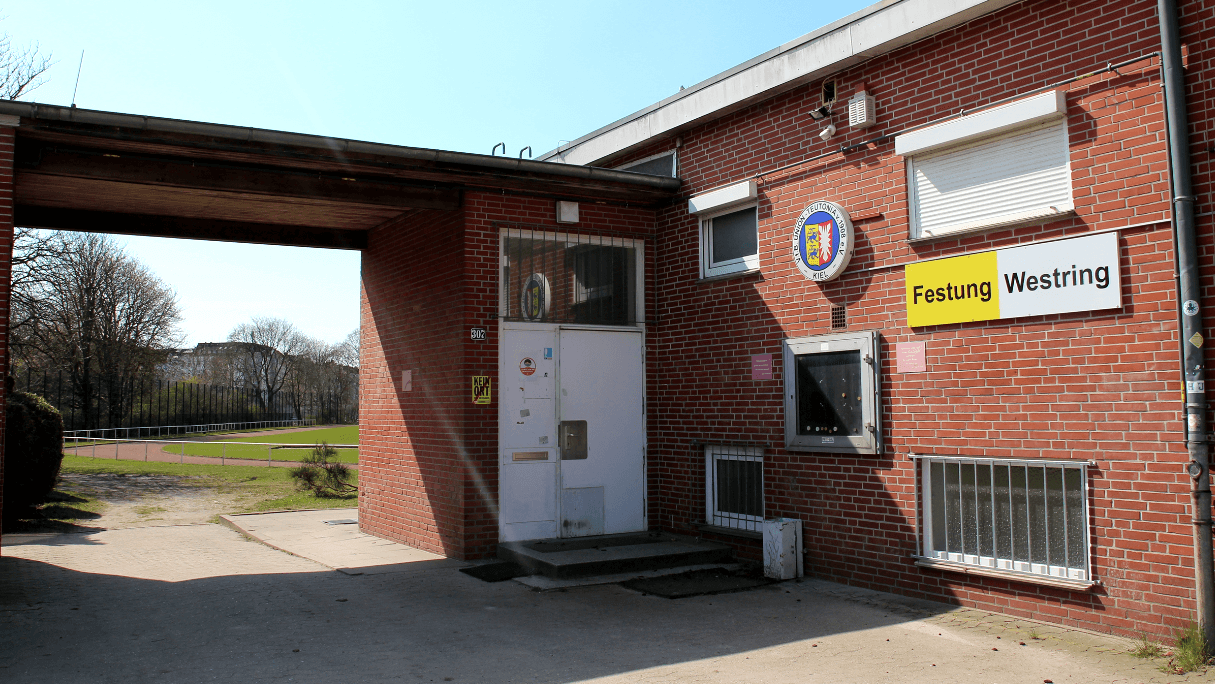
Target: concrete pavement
203 603
341 547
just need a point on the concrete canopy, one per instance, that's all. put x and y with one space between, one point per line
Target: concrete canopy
93 171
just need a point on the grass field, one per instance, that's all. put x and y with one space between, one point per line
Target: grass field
268 489
235 447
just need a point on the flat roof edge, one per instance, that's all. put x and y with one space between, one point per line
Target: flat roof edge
241 134
875 30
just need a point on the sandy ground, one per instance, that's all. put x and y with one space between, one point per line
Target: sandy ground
141 500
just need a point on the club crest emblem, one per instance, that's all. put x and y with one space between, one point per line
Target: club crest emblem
822 241
535 297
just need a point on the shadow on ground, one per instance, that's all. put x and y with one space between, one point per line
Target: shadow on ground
62 625
433 623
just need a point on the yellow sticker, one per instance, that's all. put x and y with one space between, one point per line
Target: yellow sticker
480 389
953 290
1196 339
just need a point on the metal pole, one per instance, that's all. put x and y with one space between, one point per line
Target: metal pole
1189 295
267 455
183 453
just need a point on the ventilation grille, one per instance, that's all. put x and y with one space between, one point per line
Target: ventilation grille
839 317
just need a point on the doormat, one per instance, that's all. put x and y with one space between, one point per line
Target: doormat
699 583
496 572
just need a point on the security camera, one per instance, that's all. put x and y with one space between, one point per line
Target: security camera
827 132
820 113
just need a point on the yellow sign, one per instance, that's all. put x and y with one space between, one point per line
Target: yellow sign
480 389
953 290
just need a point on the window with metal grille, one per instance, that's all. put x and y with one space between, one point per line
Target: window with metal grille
1027 517
839 317
734 487
550 277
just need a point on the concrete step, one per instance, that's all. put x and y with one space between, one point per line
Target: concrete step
611 554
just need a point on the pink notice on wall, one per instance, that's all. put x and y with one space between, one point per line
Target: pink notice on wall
911 357
761 366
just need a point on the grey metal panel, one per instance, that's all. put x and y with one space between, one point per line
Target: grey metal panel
582 512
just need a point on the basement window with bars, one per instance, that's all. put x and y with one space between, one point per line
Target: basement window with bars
550 277
734 487
1006 517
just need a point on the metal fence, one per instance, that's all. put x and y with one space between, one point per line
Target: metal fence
99 403
168 430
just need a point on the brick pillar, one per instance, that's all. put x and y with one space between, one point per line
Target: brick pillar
8 126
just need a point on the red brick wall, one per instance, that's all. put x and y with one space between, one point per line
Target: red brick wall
428 458
6 261
1100 385
410 469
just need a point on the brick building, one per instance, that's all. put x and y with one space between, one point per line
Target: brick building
911 279
1021 450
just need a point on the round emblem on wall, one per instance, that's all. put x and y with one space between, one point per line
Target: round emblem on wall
535 297
527 366
822 241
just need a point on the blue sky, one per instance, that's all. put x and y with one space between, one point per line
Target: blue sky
456 76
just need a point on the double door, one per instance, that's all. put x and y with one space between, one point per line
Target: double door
571 432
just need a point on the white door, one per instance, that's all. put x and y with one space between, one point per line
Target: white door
572 432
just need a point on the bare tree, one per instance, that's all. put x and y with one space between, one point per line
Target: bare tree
101 316
348 349
308 372
35 255
266 352
22 69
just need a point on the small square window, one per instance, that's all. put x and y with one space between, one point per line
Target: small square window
832 389
734 487
730 242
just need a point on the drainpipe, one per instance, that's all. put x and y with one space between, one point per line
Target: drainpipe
1186 244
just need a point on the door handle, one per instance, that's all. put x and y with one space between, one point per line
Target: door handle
572 440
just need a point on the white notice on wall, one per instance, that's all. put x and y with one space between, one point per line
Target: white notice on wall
406 381
1080 274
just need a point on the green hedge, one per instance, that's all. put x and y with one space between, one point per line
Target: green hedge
33 452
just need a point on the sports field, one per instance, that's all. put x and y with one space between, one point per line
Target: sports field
239 447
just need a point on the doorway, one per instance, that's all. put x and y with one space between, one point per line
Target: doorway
572 431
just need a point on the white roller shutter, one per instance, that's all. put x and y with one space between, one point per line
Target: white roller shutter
1008 179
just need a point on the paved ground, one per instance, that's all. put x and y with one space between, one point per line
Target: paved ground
343 547
194 603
